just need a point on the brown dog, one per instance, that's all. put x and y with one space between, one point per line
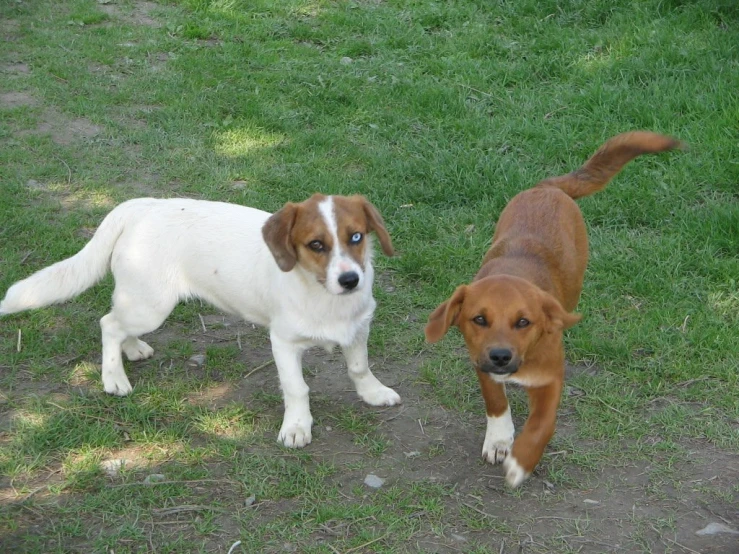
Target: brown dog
513 313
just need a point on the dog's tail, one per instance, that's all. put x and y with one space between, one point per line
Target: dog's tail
610 158
68 278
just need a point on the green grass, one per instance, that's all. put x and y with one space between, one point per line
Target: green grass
439 112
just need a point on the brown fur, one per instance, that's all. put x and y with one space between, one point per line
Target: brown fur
534 271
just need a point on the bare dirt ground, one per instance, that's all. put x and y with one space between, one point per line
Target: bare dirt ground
623 508
611 510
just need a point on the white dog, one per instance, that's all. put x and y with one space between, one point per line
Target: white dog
304 272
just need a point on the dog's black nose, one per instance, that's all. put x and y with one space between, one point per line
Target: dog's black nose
349 280
500 356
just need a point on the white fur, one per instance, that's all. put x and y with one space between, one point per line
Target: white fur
515 474
498 437
164 251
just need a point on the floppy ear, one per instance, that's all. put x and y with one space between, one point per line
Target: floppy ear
445 315
376 224
557 318
276 233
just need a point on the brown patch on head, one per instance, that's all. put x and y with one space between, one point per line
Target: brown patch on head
501 313
298 233
295 233
311 238
355 214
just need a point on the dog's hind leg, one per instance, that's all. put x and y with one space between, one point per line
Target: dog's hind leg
369 388
136 311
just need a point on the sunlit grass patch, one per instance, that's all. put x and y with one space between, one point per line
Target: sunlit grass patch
243 141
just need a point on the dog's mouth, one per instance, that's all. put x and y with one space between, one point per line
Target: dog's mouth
500 371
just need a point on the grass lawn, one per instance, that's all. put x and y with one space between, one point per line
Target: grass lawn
439 112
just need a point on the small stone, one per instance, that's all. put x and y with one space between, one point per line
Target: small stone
373 481
413 454
714 528
329 428
346 60
374 126
154 478
289 547
590 501
459 538
250 501
112 467
33 184
198 360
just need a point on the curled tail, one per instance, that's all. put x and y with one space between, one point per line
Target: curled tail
610 158
71 277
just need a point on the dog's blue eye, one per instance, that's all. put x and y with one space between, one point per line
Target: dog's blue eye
480 320
316 246
356 238
521 323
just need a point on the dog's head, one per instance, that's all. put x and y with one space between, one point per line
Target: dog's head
503 320
327 236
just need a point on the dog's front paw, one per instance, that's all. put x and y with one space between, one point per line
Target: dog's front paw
514 473
117 383
380 396
295 434
496 450
498 438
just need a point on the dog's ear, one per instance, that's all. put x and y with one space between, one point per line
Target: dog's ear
556 317
277 234
445 315
376 224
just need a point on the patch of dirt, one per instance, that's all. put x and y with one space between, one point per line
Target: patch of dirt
10 30
140 14
62 129
15 68
12 100
625 508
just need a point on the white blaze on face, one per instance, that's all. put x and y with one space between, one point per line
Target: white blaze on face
340 262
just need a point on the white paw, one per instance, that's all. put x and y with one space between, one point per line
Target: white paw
498 437
136 349
295 434
380 396
514 473
495 451
117 383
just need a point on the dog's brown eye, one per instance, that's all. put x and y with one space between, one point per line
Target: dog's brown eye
316 246
521 323
480 320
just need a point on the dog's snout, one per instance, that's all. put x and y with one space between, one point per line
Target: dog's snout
349 280
500 357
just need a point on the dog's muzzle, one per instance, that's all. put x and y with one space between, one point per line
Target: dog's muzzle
500 361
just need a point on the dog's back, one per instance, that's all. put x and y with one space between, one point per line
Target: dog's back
541 235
